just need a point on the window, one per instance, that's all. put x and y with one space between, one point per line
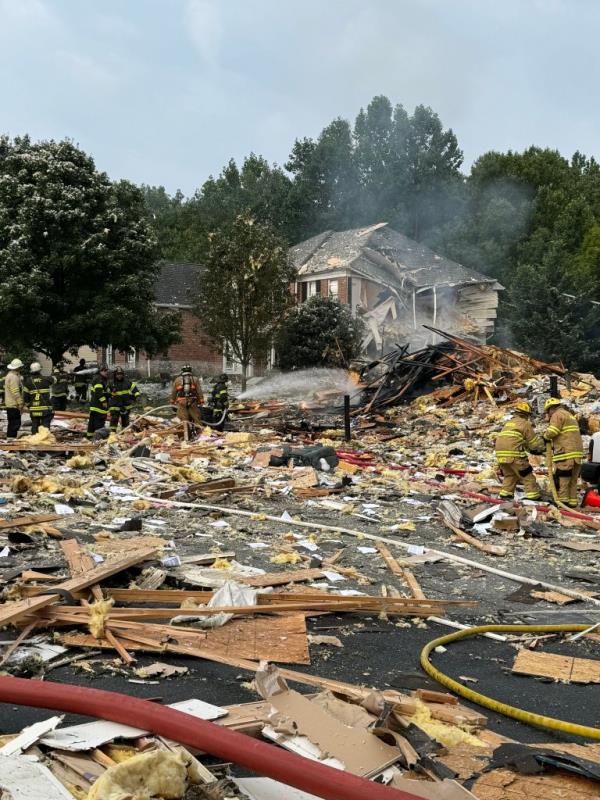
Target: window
131 357
314 288
333 289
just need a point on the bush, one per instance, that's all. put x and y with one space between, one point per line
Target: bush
319 333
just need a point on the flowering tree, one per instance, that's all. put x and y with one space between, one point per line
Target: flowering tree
77 255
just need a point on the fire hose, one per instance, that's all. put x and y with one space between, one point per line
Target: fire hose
160 408
264 759
506 710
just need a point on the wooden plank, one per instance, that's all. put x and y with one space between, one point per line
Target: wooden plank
389 559
23 522
11 612
79 563
282 578
62 447
282 639
559 668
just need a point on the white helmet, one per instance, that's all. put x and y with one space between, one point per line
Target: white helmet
35 367
16 363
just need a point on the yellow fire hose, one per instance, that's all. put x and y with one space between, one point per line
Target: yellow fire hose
550 466
528 717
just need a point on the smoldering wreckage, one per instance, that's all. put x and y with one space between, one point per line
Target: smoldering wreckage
289 595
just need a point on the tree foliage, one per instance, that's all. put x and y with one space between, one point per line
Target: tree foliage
520 217
77 256
244 289
319 333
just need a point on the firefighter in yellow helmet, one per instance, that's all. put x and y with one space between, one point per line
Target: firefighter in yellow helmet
516 439
567 447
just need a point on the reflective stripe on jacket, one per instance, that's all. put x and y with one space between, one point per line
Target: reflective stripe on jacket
122 395
36 394
516 439
60 387
99 396
13 390
219 396
563 431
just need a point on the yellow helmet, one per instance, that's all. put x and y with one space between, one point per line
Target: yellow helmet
550 402
523 406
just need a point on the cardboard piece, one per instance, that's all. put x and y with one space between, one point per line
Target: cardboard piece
559 668
357 749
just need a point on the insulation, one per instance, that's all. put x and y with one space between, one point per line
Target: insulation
159 774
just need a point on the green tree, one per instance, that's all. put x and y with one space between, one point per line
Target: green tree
319 333
325 193
77 255
245 288
552 317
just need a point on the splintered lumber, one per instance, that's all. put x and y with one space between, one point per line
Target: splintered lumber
451 515
54 447
401 572
23 522
282 639
282 578
11 612
79 563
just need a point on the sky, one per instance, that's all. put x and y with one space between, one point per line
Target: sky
165 92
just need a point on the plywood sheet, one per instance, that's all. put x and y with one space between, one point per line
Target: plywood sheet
281 578
559 668
279 639
502 784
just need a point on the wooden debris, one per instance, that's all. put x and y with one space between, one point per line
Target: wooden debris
559 668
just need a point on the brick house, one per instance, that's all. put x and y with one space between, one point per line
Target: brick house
173 291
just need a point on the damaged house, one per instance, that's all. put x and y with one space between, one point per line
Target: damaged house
397 285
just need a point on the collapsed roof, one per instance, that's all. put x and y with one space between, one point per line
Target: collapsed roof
381 254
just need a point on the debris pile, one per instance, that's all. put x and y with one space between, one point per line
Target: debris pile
187 570
473 372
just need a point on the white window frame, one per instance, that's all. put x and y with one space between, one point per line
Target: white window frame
330 291
132 358
311 289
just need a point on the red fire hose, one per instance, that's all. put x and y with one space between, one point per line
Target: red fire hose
264 759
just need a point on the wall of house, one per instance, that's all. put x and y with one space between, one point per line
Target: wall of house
196 348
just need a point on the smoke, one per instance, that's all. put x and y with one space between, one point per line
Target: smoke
303 386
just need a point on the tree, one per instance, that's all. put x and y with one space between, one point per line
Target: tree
552 317
77 255
319 333
245 288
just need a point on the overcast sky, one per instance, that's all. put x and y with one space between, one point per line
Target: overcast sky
166 91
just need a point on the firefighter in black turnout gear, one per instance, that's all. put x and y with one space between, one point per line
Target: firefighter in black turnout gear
123 393
99 398
36 396
60 388
219 401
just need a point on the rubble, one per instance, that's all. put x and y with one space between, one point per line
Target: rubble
153 562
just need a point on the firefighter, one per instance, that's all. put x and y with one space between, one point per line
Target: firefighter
36 396
219 401
567 448
80 382
2 379
123 393
60 388
513 443
186 396
99 397
13 397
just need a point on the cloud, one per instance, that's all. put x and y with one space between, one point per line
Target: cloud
204 26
